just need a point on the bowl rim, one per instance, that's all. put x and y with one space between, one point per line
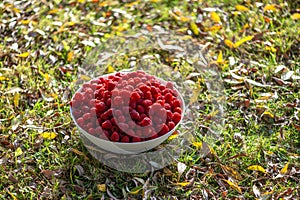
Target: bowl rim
129 143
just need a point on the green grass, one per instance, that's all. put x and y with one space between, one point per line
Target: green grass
35 93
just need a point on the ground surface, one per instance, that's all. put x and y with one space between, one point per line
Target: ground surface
255 46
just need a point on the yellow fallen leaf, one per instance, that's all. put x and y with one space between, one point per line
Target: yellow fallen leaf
272 49
233 185
136 190
266 113
110 69
246 26
214 28
197 144
132 4
270 7
80 1
284 169
220 58
173 136
101 187
85 77
18 152
25 21
70 23
182 184
194 28
108 3
24 55
52 11
296 16
245 39
16 10
49 135
16 99
229 43
12 195
241 8
70 56
257 168
215 17
2 78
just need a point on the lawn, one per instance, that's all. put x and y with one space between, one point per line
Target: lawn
254 47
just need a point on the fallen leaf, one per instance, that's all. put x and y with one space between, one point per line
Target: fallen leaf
220 58
194 28
53 11
229 43
70 56
270 7
24 55
12 195
287 75
296 16
241 8
79 153
136 190
256 191
257 168
49 135
18 152
167 172
240 42
252 82
16 99
180 168
231 172
182 184
233 185
110 69
197 144
48 173
215 17
284 169
101 187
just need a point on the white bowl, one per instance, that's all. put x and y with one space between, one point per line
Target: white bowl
129 148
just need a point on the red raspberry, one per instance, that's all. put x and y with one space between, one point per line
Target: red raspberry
80 121
176 103
100 107
164 129
108 102
135 115
117 113
176 117
125 138
146 103
167 106
78 96
168 97
177 109
144 88
118 101
124 127
146 121
121 119
148 95
75 104
154 90
135 96
92 131
140 109
107 124
87 116
115 137
170 85
111 85
171 125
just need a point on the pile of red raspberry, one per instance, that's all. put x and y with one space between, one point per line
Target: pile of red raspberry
127 107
